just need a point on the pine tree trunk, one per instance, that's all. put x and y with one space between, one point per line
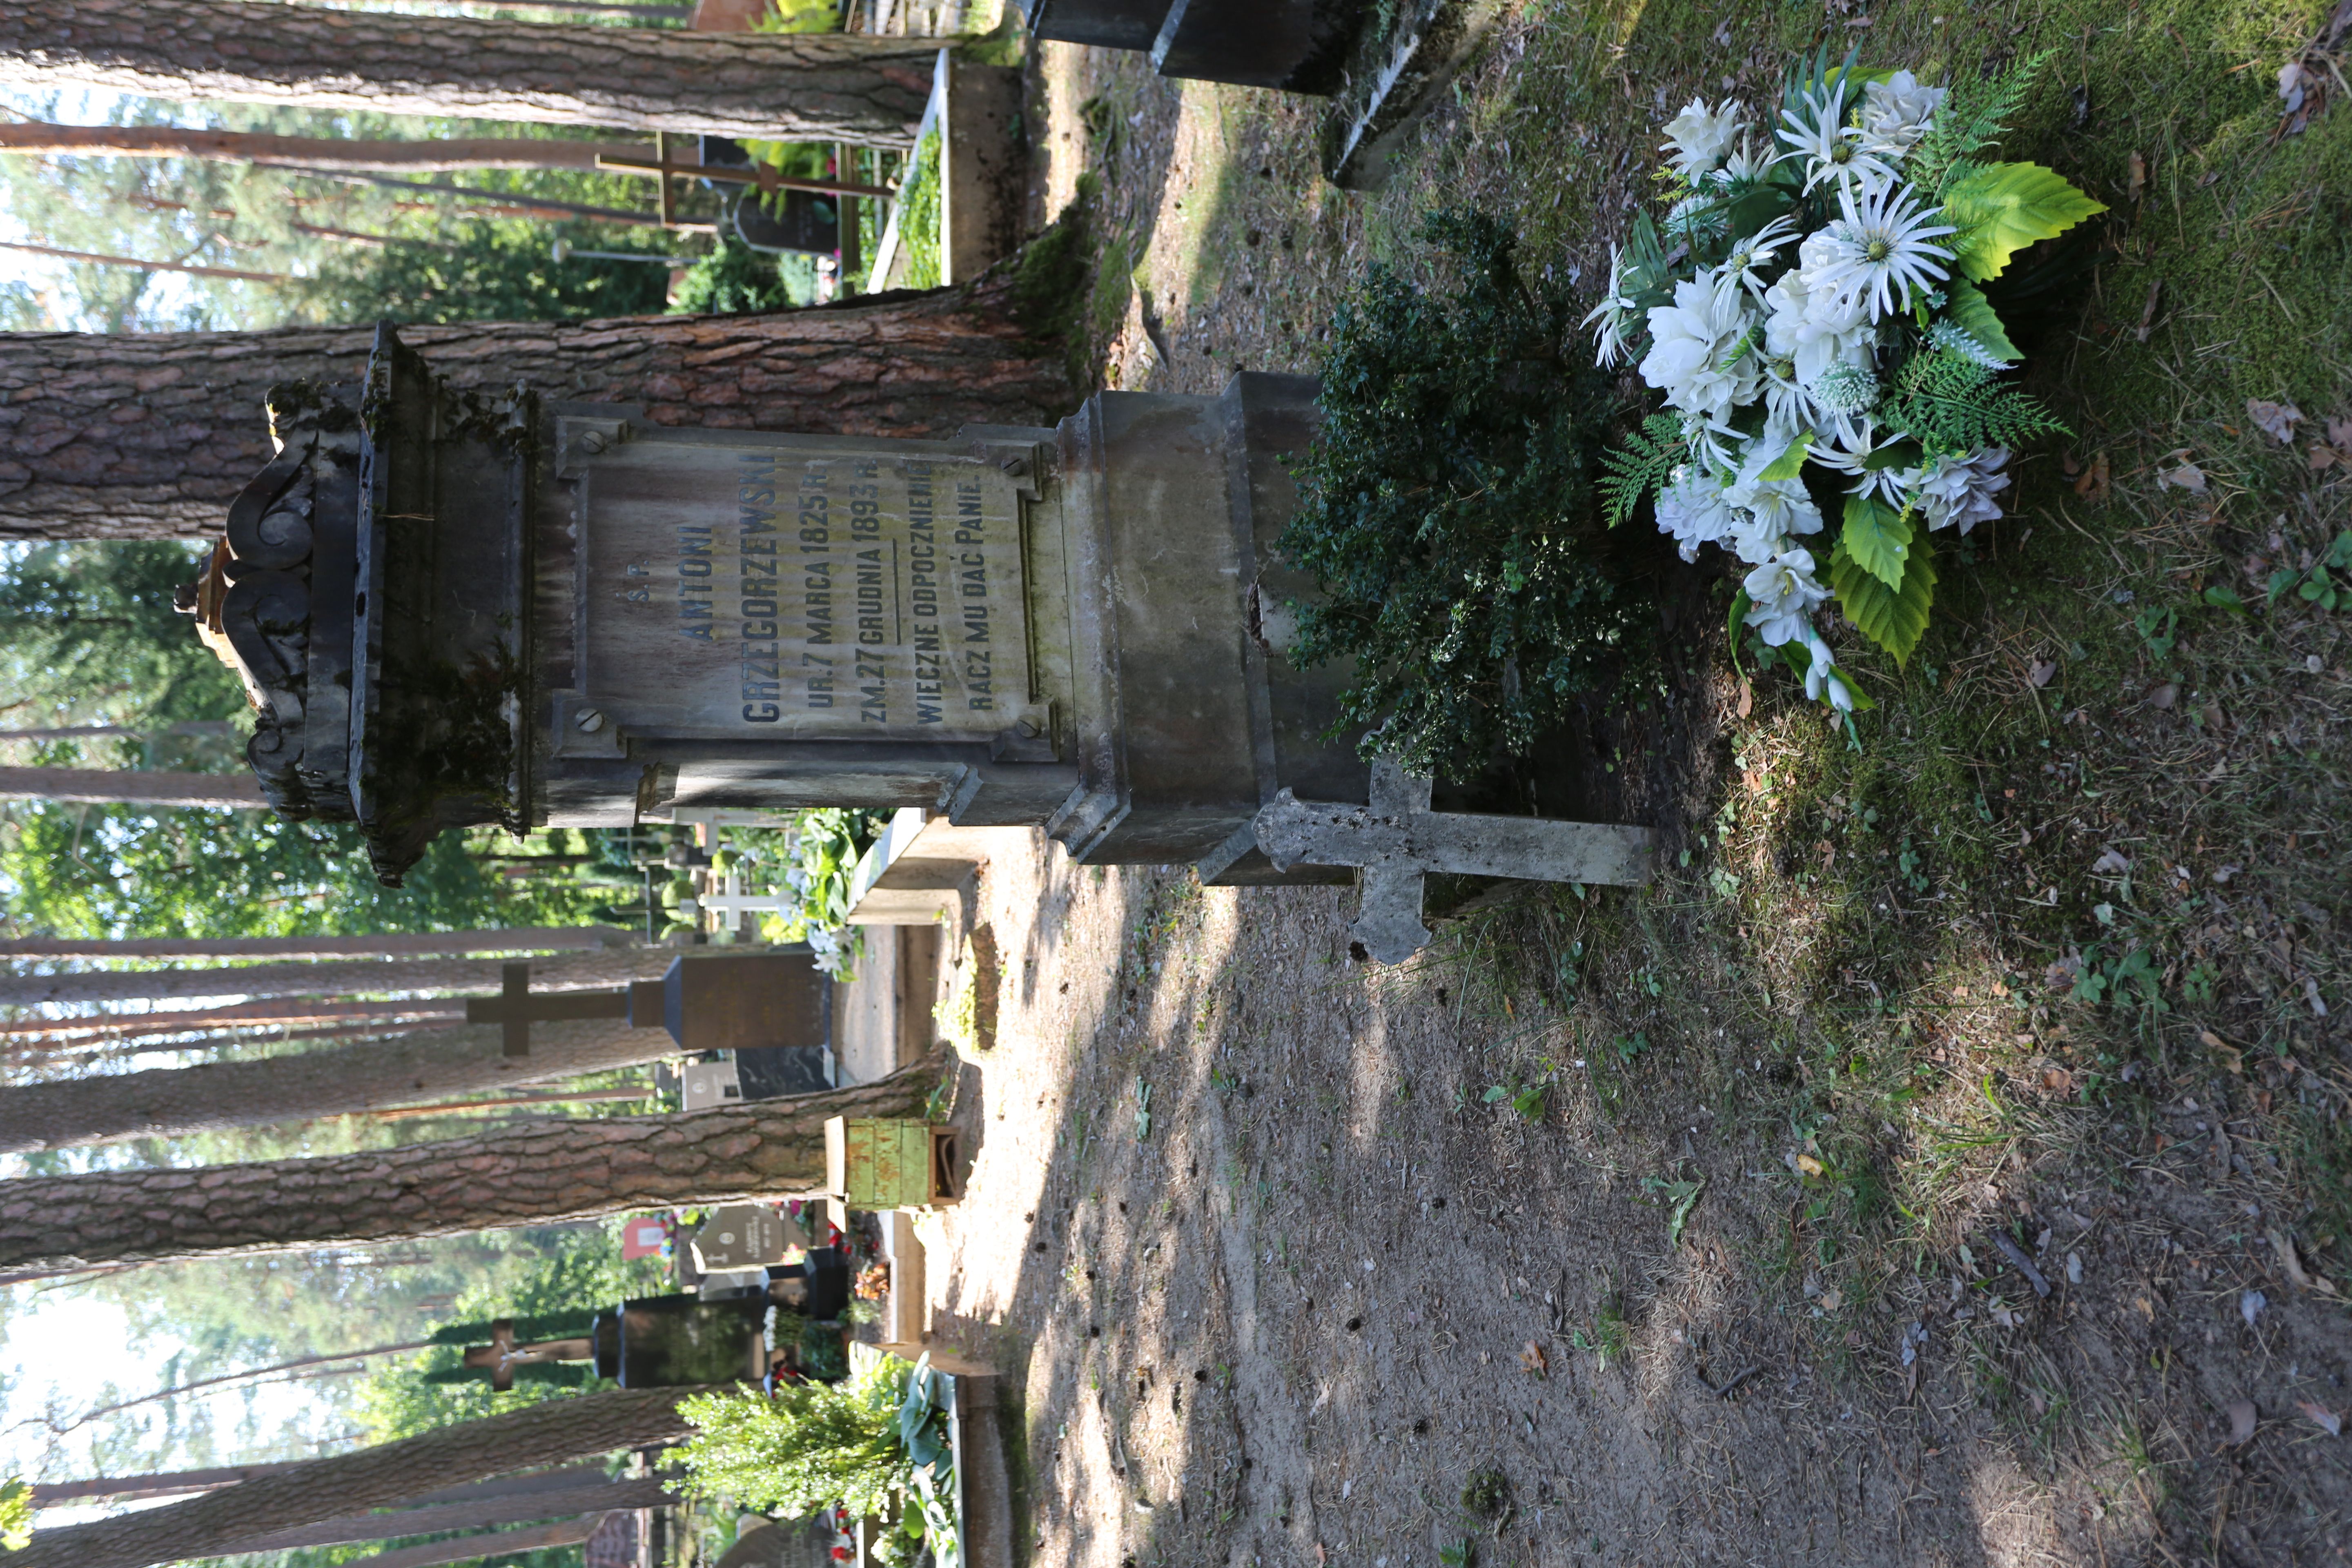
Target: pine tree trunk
645 1491
569 972
149 435
404 1069
806 87
557 1431
341 155
131 786
386 944
535 1172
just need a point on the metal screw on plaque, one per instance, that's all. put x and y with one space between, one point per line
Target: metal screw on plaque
1027 729
588 720
591 442
1016 467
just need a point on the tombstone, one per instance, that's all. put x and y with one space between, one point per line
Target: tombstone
744 1235
703 1084
676 1342
564 613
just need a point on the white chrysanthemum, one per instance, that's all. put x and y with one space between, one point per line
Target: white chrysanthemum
1960 490
1692 344
1825 682
1613 312
1774 509
1897 112
1782 595
1691 512
1817 133
1699 136
1810 328
1749 256
1880 249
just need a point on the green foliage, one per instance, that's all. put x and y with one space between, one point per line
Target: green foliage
88 629
825 847
1645 461
919 220
2001 208
1973 314
2327 585
1448 515
1893 617
1977 110
490 271
812 1446
16 1514
731 280
1951 404
1876 538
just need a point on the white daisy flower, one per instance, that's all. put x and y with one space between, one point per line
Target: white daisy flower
1897 112
1612 314
1880 249
1745 164
1960 490
1750 255
1691 343
1782 595
1713 444
1847 448
1691 512
1811 327
1816 131
1699 136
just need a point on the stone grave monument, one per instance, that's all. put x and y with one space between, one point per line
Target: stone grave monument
456 609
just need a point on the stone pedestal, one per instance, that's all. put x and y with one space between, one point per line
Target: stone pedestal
459 609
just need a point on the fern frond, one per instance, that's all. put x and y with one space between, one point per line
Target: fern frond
1973 117
1643 463
1949 403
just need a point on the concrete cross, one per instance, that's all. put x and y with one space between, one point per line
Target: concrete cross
518 1007
1398 840
731 904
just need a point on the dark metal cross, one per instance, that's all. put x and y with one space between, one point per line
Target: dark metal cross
518 1007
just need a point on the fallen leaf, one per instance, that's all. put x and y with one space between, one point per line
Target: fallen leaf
1809 1165
2304 1279
1832 1299
2188 476
2275 419
2327 1420
2290 85
2042 671
2109 862
2093 485
2164 696
2241 1421
2251 1305
2323 457
2136 180
1532 1356
2339 434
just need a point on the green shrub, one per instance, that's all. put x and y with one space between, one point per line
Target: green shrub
731 280
1448 516
812 1446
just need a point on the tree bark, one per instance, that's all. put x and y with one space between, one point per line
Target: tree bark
383 944
557 1431
571 972
336 153
177 1483
405 1070
235 1015
646 1492
531 1174
131 786
151 435
490 1544
805 87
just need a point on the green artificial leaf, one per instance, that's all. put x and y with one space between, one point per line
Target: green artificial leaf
1973 314
2001 208
1877 538
1895 619
1740 605
1791 463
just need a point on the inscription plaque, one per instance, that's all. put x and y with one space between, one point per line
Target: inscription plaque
797 589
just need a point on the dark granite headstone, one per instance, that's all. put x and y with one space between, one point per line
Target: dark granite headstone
772 1072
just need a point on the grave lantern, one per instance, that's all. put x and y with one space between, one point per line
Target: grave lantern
455 609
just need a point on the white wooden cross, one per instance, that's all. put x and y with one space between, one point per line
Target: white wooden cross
1398 840
731 904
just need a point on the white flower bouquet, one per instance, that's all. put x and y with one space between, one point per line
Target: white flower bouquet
1813 305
